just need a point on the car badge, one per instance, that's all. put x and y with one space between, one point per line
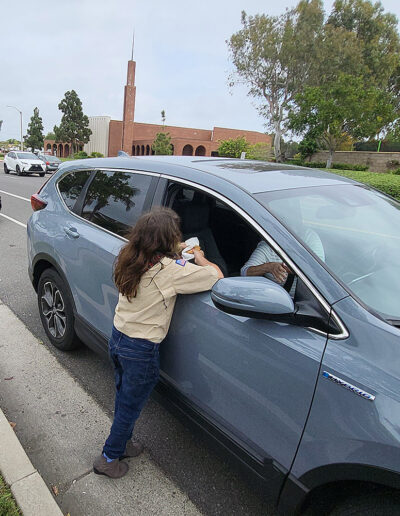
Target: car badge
356 390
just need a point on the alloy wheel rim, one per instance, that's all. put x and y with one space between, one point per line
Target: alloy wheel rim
53 310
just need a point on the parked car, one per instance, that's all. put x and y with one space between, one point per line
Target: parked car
304 392
52 162
23 163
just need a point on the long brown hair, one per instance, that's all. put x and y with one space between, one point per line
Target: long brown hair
155 233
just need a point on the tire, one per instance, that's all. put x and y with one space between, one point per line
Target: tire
382 504
6 171
41 174
56 312
18 170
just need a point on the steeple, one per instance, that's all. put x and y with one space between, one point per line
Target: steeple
129 104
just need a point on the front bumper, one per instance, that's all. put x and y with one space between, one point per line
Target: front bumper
33 169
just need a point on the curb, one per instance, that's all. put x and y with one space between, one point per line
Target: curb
27 486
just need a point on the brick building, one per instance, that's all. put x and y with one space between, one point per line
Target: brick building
136 138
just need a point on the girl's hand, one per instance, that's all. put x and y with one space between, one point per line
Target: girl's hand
198 257
182 246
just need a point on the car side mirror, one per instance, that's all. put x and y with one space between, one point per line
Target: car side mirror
252 297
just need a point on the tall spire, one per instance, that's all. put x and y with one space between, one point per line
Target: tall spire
133 44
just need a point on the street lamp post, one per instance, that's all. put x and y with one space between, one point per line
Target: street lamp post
20 113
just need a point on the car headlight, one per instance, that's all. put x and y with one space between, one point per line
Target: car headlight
24 163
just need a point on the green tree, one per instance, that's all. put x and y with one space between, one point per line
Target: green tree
74 126
308 146
233 148
377 33
333 111
274 56
34 138
50 136
162 144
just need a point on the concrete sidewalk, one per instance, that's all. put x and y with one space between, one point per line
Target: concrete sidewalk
63 429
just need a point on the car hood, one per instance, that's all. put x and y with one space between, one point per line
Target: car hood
32 161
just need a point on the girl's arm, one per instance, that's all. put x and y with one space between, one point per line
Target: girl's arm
201 260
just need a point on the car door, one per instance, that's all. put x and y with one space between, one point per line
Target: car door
108 206
251 379
10 161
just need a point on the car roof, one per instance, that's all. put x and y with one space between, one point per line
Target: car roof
250 175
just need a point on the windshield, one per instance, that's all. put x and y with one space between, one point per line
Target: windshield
26 155
360 234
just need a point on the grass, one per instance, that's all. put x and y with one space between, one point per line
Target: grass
8 507
387 183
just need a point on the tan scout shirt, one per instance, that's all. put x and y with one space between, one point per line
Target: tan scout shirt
148 315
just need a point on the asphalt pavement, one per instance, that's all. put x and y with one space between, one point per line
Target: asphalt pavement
211 483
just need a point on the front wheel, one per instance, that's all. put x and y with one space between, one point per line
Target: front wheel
18 171
41 174
56 313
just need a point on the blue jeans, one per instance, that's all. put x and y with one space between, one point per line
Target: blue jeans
136 364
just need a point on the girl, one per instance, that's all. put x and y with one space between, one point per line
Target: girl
149 275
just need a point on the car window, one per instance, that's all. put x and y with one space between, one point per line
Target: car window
70 186
359 231
26 155
115 200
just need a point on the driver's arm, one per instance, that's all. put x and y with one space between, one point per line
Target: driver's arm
265 262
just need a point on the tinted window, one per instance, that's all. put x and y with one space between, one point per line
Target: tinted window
115 200
71 186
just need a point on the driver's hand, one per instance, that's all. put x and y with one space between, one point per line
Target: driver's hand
278 270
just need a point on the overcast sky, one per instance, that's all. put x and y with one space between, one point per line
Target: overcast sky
49 47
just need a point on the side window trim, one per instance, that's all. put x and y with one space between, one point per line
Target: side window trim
77 209
62 177
343 333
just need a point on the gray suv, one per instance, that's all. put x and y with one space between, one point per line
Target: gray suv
300 384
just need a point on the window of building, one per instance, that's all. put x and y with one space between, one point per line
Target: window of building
115 200
71 186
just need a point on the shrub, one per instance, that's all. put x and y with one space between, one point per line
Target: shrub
259 151
386 146
97 155
81 155
396 172
308 146
233 148
393 163
348 166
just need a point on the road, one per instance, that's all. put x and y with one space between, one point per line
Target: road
186 458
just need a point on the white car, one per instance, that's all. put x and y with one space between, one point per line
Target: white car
24 163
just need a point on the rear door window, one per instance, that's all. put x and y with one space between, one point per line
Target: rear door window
71 185
115 200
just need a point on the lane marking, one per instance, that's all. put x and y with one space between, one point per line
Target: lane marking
14 195
13 220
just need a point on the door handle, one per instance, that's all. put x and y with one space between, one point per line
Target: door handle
72 232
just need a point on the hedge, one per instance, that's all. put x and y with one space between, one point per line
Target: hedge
372 146
387 183
322 164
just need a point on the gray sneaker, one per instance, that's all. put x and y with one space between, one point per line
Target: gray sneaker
113 469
